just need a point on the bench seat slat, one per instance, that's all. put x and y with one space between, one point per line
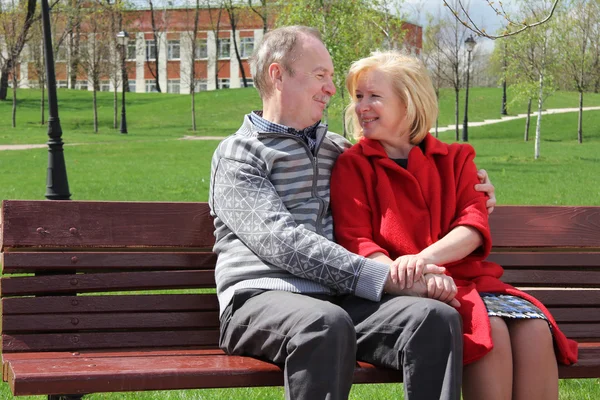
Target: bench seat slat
545 226
109 303
42 376
109 340
559 278
43 261
106 282
106 224
109 322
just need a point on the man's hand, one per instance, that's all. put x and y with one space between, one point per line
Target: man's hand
406 270
442 288
487 187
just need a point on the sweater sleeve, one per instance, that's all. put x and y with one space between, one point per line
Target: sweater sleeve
470 204
352 214
248 204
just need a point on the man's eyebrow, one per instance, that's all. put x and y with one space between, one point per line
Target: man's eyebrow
322 69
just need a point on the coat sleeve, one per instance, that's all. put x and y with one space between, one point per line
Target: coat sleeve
470 204
249 205
352 214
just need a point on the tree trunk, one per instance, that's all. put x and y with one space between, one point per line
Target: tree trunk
193 110
528 120
4 80
538 126
14 99
95 110
456 91
43 105
437 123
580 120
115 106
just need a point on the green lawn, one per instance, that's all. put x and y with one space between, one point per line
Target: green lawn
151 163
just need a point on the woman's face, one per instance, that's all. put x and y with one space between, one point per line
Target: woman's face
380 111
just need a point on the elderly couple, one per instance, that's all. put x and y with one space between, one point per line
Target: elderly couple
404 284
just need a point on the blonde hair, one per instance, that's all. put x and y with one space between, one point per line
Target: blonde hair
411 83
278 46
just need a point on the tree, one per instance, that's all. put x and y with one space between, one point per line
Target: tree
574 46
17 19
95 57
449 42
215 13
264 11
532 59
233 11
432 57
158 23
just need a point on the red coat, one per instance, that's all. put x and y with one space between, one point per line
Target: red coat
379 206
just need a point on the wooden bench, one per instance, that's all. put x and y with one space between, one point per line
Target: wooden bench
112 296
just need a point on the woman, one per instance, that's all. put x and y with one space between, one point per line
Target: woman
400 194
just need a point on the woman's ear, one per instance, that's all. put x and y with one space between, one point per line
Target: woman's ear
276 75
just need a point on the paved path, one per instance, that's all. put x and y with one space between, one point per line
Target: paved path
440 129
520 116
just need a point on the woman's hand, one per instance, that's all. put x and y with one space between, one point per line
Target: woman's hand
486 187
406 270
442 288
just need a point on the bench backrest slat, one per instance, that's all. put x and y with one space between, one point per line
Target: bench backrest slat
107 282
19 262
109 340
106 224
109 303
546 226
526 259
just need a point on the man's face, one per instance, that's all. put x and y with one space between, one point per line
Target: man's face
305 95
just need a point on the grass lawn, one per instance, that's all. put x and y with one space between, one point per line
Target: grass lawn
151 163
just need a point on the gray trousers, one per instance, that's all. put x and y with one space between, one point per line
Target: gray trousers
317 340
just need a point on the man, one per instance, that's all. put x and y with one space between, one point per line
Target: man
287 292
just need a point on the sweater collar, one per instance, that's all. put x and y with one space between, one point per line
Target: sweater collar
433 146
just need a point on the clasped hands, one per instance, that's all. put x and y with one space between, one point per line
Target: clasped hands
412 275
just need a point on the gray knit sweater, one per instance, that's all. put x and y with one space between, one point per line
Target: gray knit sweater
269 196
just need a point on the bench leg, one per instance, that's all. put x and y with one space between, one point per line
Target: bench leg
65 396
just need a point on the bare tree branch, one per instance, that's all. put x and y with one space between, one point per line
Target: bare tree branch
469 24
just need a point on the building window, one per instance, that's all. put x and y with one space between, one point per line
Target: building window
132 85
131 51
224 48
200 85
81 85
173 50
105 86
62 84
150 50
247 46
201 49
249 82
223 83
173 86
150 86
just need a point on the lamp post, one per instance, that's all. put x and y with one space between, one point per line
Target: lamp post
470 45
57 185
123 39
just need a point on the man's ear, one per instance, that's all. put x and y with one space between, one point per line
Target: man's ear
276 75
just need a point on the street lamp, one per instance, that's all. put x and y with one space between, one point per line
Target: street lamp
470 45
123 39
57 185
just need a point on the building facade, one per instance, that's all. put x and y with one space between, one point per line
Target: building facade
215 61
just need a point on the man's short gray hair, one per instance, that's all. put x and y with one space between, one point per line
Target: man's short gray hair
277 46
